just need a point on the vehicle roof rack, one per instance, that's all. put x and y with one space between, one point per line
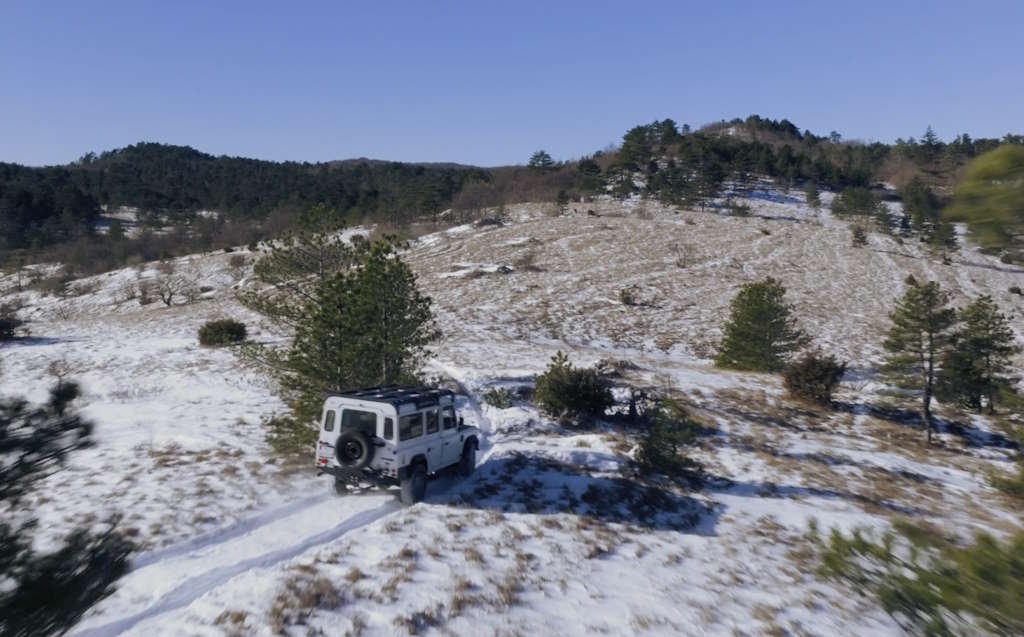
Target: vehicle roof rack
398 395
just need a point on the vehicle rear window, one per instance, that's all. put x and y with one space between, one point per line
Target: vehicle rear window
329 420
410 426
431 421
355 420
448 418
389 429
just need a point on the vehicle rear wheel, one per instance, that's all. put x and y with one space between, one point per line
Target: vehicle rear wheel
414 485
468 461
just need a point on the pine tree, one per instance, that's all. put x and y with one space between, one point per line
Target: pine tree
980 362
297 266
541 161
46 593
761 332
930 144
367 326
918 340
811 195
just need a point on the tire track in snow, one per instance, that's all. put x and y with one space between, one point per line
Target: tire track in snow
220 536
191 589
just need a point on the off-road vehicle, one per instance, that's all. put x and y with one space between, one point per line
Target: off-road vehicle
393 436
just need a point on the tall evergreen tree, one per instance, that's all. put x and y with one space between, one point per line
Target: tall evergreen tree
761 332
369 325
541 161
918 340
980 363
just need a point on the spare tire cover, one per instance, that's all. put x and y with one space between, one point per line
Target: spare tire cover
354 450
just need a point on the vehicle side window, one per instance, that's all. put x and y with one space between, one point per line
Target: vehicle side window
431 421
410 426
329 420
389 429
448 417
355 420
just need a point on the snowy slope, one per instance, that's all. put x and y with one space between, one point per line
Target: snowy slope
550 536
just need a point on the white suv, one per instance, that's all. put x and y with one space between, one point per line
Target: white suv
393 435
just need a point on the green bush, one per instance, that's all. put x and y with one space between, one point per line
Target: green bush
569 393
936 587
855 201
670 432
223 332
761 332
813 377
500 397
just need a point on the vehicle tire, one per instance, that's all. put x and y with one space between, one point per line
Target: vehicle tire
467 463
414 485
354 450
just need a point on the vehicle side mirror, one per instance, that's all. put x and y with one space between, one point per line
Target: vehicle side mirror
461 422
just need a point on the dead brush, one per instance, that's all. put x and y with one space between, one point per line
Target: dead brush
301 596
233 622
421 621
463 597
508 590
354 575
473 555
390 588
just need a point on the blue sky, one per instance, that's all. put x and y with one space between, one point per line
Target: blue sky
487 83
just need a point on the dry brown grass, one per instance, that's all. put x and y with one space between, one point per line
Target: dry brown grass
302 594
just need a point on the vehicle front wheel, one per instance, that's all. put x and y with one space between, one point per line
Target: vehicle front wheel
468 461
414 485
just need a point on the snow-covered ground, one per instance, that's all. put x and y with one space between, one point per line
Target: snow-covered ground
551 535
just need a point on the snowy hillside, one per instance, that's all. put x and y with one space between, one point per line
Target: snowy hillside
550 535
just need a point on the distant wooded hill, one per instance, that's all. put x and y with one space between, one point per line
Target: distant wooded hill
169 184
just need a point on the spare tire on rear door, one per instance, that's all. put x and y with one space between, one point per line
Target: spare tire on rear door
354 450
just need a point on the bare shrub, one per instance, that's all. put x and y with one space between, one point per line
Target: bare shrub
63 369
146 292
126 292
858 235
527 262
62 311
58 285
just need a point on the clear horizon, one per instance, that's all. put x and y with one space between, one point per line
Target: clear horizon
457 82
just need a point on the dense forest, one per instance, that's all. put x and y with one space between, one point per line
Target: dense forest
41 208
169 184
